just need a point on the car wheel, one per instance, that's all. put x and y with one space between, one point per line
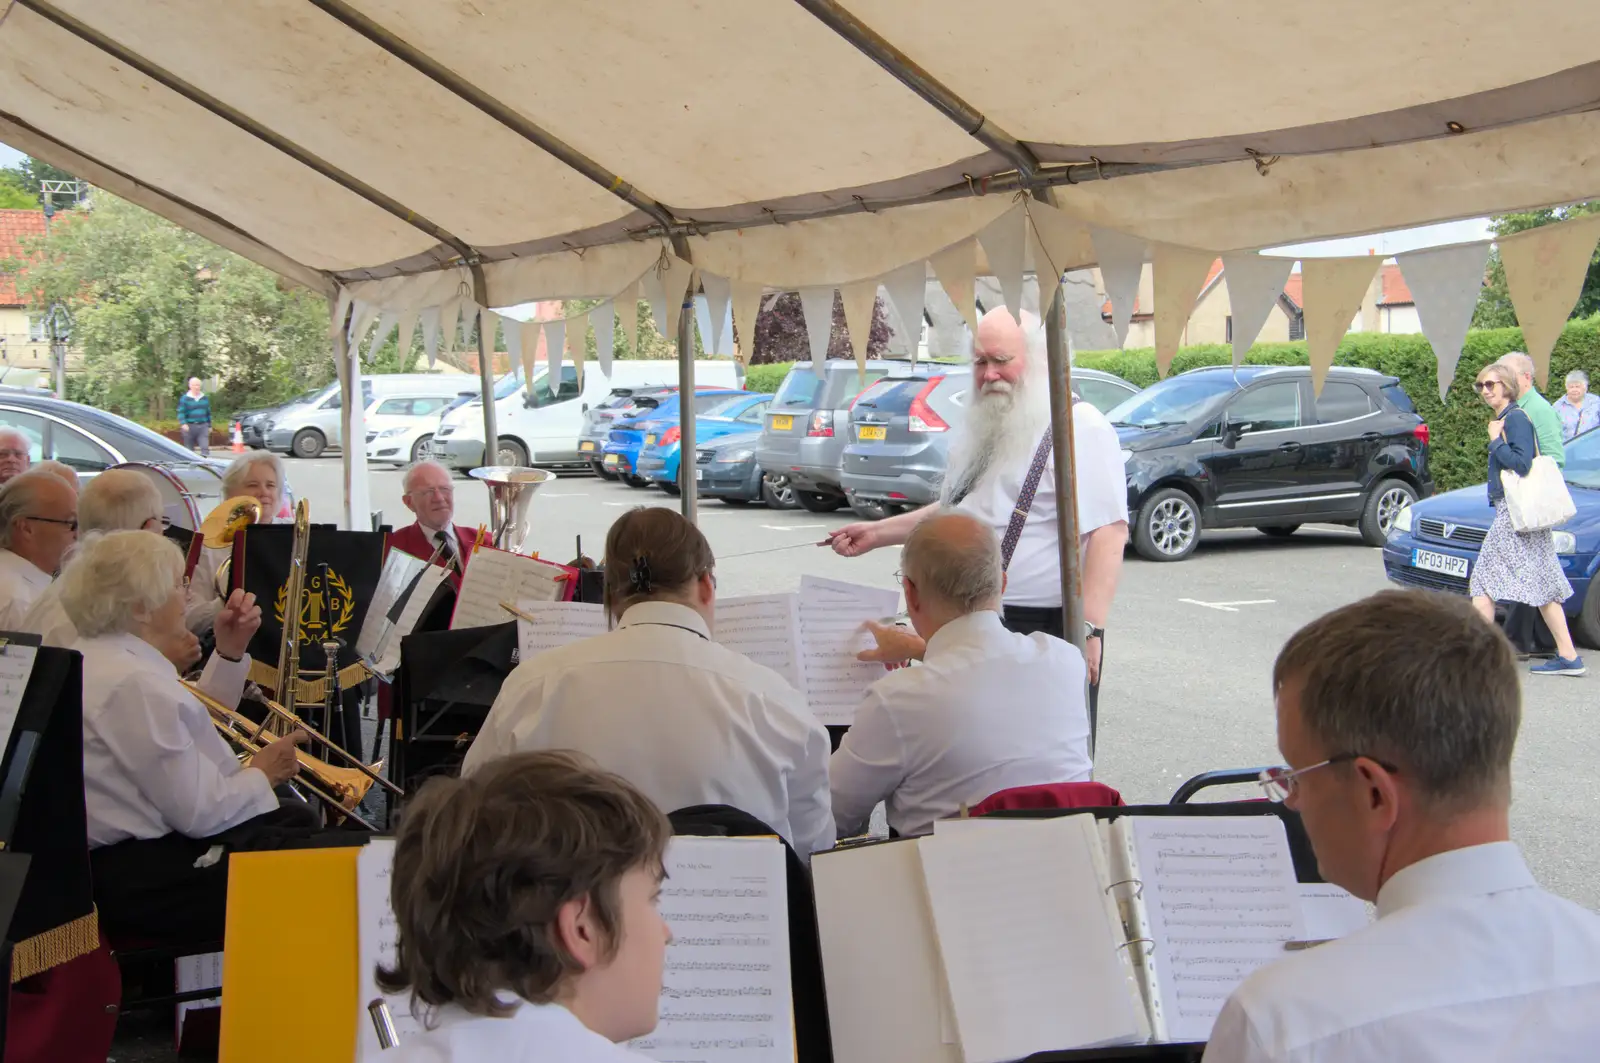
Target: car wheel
867 509
636 482
1279 531
422 449
1587 629
1384 504
817 502
670 488
777 492
510 452
603 472
308 443
1169 526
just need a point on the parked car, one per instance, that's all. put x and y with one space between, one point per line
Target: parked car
306 429
799 445
658 458
1253 446
898 440
598 418
253 421
726 468
626 438
400 430
1434 543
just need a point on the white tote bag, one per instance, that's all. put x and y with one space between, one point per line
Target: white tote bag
1540 499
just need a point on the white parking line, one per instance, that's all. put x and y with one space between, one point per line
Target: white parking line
791 527
1228 607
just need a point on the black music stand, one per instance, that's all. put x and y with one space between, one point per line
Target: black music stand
446 682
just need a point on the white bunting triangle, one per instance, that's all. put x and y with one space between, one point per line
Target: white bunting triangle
1045 272
449 315
430 334
578 343
955 267
1121 260
1254 284
817 306
746 302
1545 268
673 275
512 330
702 322
604 317
1178 273
860 302
908 292
408 329
555 342
628 313
488 323
1445 283
531 335
388 321
1005 242
719 293
1334 289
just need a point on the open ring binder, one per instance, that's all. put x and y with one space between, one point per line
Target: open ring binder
1149 945
1138 892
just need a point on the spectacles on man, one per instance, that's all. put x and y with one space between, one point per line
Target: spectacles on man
71 525
1279 783
13 453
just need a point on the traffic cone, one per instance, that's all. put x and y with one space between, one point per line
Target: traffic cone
238 438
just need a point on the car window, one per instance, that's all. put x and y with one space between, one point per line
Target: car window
1173 401
1342 401
72 448
1267 408
396 406
1397 395
1583 459
1101 394
568 388
330 403
843 387
756 413
799 388
716 405
892 396
30 425
423 407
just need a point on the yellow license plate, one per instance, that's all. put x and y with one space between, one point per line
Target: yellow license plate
649 441
871 432
586 446
611 459
782 424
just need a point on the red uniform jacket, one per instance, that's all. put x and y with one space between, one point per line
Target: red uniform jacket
415 540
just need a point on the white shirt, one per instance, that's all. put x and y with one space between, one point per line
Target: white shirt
687 721
534 1033
1033 579
47 618
1469 961
21 583
153 763
987 710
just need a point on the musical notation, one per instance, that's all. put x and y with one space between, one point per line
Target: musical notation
379 641
495 576
764 628
552 624
831 618
16 665
377 938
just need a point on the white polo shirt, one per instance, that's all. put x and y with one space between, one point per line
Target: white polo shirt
21 583
1034 578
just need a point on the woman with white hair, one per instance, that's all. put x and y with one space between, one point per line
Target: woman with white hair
1579 411
257 475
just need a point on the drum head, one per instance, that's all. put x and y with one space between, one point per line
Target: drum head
179 488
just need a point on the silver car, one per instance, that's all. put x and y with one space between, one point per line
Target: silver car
803 440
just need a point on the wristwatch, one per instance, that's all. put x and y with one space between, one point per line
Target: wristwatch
1092 632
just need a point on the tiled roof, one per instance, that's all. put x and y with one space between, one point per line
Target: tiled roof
14 225
1292 289
1395 290
1146 311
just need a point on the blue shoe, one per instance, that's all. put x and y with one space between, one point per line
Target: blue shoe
1560 666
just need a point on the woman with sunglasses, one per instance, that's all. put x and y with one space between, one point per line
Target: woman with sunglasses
1518 566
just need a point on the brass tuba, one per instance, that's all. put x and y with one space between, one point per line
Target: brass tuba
511 489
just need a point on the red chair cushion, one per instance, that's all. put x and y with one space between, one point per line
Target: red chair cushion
1051 795
67 1014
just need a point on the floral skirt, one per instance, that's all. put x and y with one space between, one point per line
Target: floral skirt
1518 566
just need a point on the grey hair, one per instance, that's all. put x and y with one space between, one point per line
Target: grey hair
60 470
954 558
1519 362
7 430
20 498
239 471
118 500
414 467
1578 376
1417 679
119 578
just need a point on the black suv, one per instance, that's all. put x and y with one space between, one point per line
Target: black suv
1220 447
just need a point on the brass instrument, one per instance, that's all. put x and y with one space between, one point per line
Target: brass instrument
221 526
511 489
289 645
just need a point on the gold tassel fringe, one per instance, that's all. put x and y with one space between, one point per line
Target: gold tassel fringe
54 947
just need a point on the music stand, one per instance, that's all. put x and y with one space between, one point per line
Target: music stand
446 682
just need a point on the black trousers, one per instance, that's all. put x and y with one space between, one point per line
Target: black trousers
150 891
1025 620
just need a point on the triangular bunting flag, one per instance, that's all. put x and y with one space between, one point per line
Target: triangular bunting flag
746 300
362 317
908 292
449 314
860 301
488 324
388 321
512 330
719 293
1334 289
816 304
1121 259
651 291
1065 239
676 280
1545 268
1005 243
341 310
628 314
1445 283
1179 274
578 343
555 344
604 317
408 329
430 334
702 322
531 336
955 267
1254 284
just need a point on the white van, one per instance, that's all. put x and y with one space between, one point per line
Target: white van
306 429
541 427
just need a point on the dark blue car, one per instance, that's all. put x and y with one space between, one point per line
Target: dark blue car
1434 543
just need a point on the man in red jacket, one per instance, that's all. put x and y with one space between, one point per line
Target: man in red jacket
430 494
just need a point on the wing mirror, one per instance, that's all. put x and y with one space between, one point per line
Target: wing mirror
1232 430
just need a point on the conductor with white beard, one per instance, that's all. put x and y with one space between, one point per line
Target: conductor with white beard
992 460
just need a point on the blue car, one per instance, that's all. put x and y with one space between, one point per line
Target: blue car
1434 543
626 438
658 458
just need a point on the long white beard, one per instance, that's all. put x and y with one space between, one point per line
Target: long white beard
1002 429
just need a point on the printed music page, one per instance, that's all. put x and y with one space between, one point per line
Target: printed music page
725 994
1029 946
1221 898
16 665
1331 911
766 629
411 578
376 936
399 569
831 617
556 624
495 576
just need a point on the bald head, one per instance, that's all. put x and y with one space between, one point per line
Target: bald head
120 500
38 518
14 454
953 560
66 473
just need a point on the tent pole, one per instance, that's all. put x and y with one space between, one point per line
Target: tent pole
491 436
1065 474
689 494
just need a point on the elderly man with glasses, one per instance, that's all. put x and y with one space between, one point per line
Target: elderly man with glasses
38 525
1397 716
430 494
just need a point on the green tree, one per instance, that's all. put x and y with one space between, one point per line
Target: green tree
1494 309
14 194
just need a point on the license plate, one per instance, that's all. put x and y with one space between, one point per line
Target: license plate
1444 564
699 474
782 424
868 433
587 446
649 441
611 461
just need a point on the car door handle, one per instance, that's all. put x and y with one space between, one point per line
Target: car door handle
1371 437
1290 446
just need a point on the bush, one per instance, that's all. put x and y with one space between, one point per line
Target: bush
766 378
1459 448
221 436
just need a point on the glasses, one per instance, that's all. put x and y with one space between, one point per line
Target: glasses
13 453
1485 385
1279 783
163 522
71 525
427 492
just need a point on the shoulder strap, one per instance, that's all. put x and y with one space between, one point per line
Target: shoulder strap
1019 512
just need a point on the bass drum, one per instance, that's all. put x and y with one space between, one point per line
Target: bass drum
187 491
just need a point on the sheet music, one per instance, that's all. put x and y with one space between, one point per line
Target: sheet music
831 616
766 629
725 995
379 642
1029 948
376 936
16 665
1221 898
495 576
399 568
1330 911
197 972
556 624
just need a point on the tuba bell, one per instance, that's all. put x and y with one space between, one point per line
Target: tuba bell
511 489
221 526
